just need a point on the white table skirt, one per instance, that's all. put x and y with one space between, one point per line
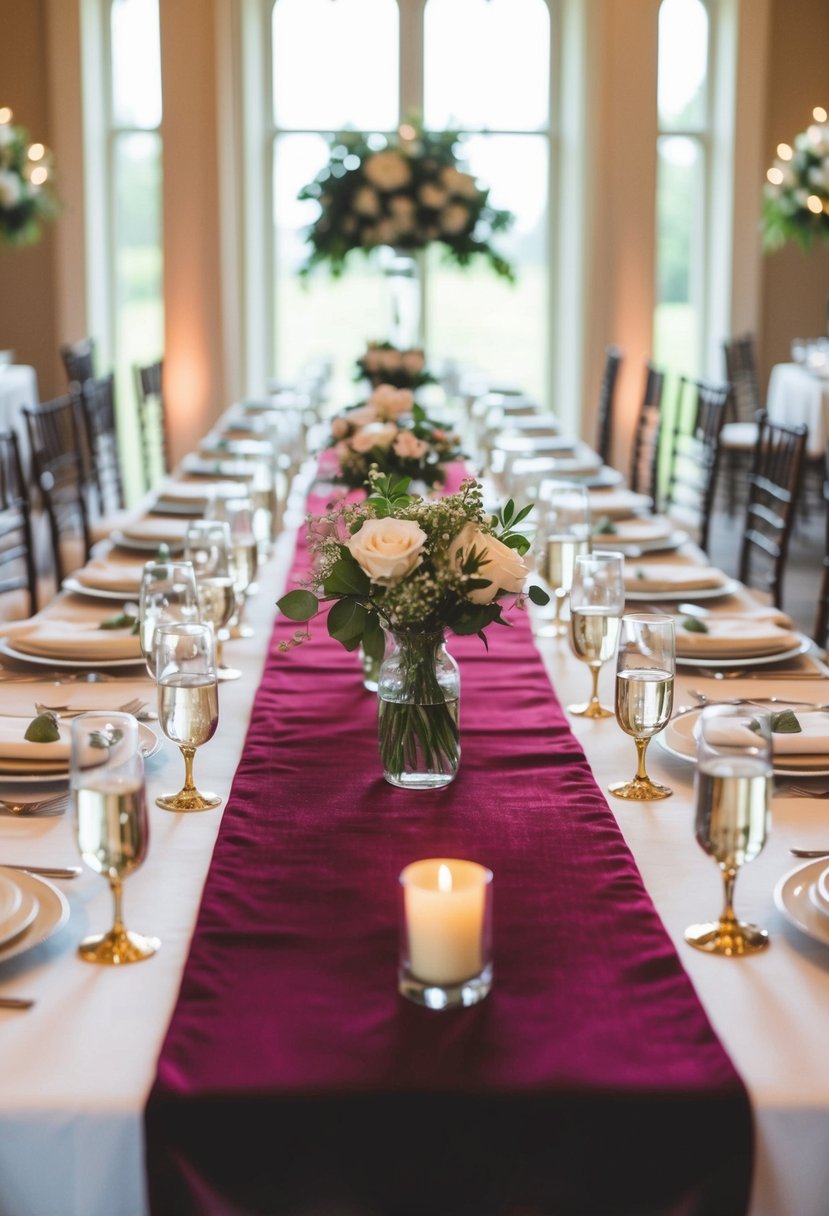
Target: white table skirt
77 1068
796 395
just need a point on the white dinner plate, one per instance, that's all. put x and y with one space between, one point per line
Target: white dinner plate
52 913
678 739
792 898
635 548
41 660
140 545
729 587
756 660
98 593
149 743
24 909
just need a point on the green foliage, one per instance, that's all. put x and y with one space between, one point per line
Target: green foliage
298 605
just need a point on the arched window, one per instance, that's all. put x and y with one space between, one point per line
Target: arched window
682 173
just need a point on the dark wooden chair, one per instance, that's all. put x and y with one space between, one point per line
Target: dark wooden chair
607 398
738 439
17 559
57 464
79 360
152 421
772 497
644 464
100 442
700 413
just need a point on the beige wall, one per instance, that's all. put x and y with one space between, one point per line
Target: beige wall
795 285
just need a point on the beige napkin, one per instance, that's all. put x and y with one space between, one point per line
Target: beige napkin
151 528
101 575
735 637
635 531
617 503
680 577
199 466
535 445
189 491
75 640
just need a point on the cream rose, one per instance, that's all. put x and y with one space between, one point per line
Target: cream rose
391 402
363 415
409 446
413 361
459 183
432 196
373 436
387 170
388 549
504 568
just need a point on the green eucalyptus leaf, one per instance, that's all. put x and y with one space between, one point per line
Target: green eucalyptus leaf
346 578
346 620
374 640
538 595
298 605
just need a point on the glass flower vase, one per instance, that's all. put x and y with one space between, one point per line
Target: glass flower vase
418 697
402 274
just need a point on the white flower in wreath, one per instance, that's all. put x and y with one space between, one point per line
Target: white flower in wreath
10 188
454 219
505 569
6 135
409 447
387 170
432 196
459 183
366 202
375 435
388 549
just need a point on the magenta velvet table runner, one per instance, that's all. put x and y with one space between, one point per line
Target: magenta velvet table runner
295 1080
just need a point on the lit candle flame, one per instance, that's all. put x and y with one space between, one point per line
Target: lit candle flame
444 878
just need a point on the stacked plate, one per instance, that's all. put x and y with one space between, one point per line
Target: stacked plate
31 910
26 763
669 581
802 896
799 755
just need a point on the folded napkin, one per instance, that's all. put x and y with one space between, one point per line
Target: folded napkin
652 579
76 640
534 444
635 531
199 466
811 740
101 575
735 637
188 491
618 503
151 528
221 445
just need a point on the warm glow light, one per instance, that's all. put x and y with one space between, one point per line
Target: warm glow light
444 878
814 204
406 131
775 176
5 114
38 176
36 152
819 114
784 152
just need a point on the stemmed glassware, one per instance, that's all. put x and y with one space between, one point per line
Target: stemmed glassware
563 534
111 825
733 791
188 703
597 599
239 513
168 594
645 667
207 545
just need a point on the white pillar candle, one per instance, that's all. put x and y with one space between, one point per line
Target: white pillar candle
445 903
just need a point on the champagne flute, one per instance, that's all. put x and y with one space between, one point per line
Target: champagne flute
563 534
207 545
244 548
645 668
733 789
597 598
168 594
111 825
188 703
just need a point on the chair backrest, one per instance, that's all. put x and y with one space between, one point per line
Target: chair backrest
152 420
772 496
17 563
607 396
700 413
55 443
821 634
742 374
644 464
100 440
79 360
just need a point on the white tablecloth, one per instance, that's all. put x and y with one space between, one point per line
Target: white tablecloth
796 395
18 388
78 1066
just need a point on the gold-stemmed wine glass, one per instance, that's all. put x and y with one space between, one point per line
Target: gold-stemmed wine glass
111 824
188 703
645 667
168 594
733 792
563 533
207 545
244 552
597 599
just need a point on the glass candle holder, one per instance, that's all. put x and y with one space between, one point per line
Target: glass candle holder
445 932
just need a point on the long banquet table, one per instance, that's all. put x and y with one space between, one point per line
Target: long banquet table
79 1067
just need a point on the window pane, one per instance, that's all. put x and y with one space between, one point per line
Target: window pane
477 318
335 64
679 257
136 63
683 64
138 288
486 64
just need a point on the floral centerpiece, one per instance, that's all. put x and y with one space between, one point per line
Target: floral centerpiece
371 435
410 568
407 191
26 196
385 363
796 194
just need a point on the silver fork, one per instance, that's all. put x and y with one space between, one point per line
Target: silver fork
32 808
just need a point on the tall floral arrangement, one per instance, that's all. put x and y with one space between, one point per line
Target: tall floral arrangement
796 194
407 190
26 195
393 434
